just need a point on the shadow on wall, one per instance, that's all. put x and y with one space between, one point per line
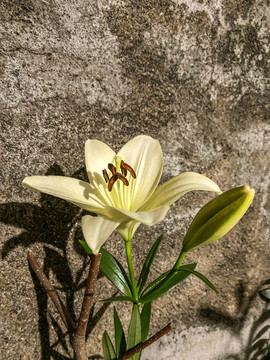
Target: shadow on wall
50 224
258 341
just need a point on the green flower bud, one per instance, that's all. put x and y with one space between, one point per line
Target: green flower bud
218 217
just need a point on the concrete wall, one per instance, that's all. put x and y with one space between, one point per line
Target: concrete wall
192 74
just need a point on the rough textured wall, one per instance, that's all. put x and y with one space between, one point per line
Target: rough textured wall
192 74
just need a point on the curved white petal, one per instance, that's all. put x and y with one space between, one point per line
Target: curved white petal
73 190
127 229
97 157
96 231
178 186
149 218
144 155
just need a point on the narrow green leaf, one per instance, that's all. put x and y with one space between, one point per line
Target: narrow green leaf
200 276
108 349
120 340
265 294
134 331
157 281
169 282
112 269
120 298
147 264
145 320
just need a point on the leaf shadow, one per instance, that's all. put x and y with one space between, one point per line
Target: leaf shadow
258 337
50 224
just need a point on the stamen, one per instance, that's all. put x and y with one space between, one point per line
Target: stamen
122 178
105 175
112 181
116 175
123 170
129 168
112 168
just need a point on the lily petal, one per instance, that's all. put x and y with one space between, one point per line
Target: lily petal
96 231
97 157
149 218
127 229
178 186
73 190
144 155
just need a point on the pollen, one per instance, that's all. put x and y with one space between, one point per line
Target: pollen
116 175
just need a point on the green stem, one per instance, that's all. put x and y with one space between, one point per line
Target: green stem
130 269
180 260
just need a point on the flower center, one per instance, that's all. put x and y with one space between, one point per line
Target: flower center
116 174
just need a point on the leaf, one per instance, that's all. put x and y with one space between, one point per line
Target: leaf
145 320
202 277
134 331
120 340
120 298
112 269
265 294
157 281
170 281
108 349
147 264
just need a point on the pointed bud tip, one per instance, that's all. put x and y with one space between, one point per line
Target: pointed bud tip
24 182
249 191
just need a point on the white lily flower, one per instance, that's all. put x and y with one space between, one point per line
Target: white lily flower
124 196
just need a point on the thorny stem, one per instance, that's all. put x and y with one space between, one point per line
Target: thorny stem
131 271
69 323
145 344
80 333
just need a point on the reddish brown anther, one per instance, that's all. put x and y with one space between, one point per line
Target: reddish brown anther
128 168
117 175
123 170
105 175
112 168
112 181
122 178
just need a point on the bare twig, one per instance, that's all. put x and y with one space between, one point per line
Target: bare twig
145 344
69 323
79 335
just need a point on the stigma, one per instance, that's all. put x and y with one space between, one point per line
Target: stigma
116 174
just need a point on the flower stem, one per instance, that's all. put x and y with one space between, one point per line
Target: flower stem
130 269
180 260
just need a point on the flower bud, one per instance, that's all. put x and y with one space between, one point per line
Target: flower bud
218 217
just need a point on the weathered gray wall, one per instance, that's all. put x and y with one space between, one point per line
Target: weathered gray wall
192 74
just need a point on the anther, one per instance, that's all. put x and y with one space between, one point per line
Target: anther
105 175
116 175
122 178
112 168
112 181
128 168
123 170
